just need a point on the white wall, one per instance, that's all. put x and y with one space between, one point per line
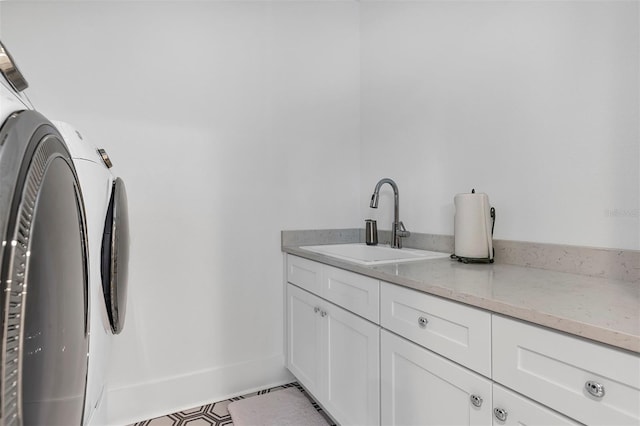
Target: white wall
229 121
535 103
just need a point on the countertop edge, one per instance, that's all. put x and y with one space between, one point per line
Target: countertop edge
608 336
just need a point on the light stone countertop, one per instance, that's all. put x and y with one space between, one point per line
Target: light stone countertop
600 309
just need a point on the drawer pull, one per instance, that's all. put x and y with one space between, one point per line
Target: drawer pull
422 322
594 388
500 413
323 314
316 309
476 400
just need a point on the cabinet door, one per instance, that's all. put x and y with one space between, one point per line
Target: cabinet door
419 387
353 367
304 347
511 409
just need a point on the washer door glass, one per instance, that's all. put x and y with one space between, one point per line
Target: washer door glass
44 272
53 376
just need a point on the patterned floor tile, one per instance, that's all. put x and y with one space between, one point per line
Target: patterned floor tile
216 414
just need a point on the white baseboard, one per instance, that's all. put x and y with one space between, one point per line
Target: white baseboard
148 400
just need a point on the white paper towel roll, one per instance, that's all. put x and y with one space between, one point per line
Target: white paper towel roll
472 226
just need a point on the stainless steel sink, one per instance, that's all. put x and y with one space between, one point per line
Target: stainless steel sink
373 255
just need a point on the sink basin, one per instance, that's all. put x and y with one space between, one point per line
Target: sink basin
373 255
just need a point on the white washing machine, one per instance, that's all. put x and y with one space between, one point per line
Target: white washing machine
105 201
63 265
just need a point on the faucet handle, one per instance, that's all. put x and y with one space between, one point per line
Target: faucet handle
401 231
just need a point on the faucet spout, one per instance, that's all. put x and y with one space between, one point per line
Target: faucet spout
398 231
374 200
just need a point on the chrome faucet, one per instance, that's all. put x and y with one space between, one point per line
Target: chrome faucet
398 230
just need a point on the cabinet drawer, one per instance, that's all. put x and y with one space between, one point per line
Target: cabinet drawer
305 273
554 369
458 332
517 410
356 293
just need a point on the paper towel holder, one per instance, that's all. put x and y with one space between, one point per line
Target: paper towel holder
490 258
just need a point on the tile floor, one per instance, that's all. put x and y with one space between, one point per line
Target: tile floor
216 414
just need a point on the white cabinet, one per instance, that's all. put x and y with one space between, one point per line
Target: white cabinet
456 331
424 370
304 340
352 359
589 382
419 387
511 409
305 273
354 292
335 355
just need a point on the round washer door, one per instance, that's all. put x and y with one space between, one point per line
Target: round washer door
43 269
